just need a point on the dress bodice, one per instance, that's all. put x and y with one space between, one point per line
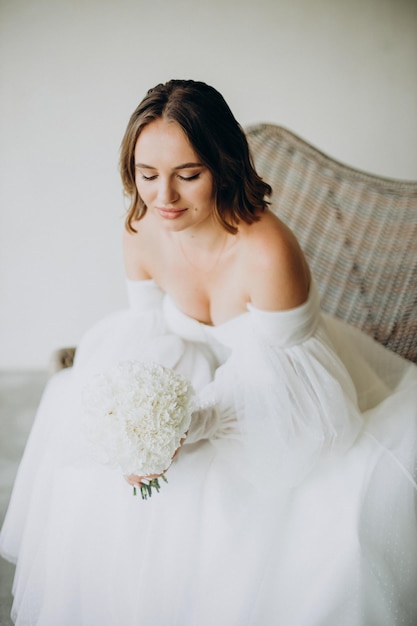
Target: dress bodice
283 328
187 327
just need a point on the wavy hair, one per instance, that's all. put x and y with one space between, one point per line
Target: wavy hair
216 137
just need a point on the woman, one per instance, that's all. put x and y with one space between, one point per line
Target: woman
291 500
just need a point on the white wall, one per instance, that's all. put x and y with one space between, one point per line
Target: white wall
341 74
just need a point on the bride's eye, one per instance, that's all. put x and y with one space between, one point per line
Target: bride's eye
148 177
193 177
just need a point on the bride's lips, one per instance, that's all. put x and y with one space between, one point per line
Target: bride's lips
170 214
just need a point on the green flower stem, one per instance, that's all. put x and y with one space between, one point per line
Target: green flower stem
146 487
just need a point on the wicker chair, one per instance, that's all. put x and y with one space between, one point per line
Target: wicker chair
358 231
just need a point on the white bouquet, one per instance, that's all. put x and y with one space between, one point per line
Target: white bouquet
136 416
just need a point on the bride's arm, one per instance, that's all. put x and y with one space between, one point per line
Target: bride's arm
135 254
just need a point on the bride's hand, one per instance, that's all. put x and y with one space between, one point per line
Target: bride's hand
136 481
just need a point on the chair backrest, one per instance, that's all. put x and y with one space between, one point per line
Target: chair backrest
358 231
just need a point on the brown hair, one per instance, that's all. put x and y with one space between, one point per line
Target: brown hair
218 140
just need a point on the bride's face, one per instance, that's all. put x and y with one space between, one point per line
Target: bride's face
170 178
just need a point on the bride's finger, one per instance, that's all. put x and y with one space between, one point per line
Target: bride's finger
137 481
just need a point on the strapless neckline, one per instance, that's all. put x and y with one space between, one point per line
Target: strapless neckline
226 333
204 325
284 328
250 307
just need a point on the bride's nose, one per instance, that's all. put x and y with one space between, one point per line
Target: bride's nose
167 193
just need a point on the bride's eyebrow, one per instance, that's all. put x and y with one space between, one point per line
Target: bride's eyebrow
186 166
143 166
183 166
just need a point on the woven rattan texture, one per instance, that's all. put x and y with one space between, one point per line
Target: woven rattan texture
358 231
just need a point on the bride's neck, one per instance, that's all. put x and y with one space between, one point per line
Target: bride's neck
206 238
203 249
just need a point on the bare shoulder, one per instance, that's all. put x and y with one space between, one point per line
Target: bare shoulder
135 252
276 269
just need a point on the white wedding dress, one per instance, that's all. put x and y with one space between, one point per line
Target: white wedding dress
292 502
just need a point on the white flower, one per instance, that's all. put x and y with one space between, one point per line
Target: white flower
136 415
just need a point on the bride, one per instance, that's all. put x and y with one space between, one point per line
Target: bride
291 500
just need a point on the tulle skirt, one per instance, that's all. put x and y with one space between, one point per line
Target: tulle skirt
338 549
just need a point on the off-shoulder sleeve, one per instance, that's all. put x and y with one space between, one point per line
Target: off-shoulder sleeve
293 399
138 332
144 295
